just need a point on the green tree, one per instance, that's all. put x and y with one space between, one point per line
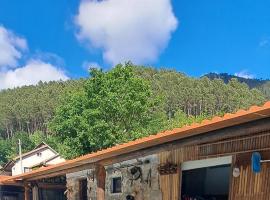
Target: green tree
37 137
115 107
5 151
27 144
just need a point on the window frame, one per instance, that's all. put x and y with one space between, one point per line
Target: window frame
114 180
27 169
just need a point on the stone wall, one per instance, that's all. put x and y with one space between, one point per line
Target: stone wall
146 187
73 184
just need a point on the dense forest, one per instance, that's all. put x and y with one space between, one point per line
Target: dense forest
260 84
115 106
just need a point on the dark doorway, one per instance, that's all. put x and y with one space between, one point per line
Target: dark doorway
83 189
52 194
209 183
11 193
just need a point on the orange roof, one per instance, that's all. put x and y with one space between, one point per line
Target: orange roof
241 116
2 178
6 180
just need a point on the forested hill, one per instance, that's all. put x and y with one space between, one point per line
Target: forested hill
261 84
108 108
251 82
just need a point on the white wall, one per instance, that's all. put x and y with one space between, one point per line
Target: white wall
32 160
55 161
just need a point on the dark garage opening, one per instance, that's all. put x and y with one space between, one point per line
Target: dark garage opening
11 193
209 183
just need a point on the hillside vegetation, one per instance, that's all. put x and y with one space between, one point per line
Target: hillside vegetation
125 103
260 84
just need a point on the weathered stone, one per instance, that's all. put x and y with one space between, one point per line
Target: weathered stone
145 188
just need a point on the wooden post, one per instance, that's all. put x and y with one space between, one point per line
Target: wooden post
35 193
26 192
101 180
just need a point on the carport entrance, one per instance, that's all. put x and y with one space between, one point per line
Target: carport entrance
206 179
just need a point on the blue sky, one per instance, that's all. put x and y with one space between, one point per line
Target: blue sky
63 38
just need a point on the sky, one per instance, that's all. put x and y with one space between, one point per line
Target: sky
52 40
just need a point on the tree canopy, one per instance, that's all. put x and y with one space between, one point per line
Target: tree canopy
114 107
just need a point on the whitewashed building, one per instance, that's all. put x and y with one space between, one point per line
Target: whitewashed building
41 155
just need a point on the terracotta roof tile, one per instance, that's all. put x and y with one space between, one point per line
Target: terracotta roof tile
267 104
2 178
227 115
6 180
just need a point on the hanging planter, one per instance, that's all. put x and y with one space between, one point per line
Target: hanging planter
168 168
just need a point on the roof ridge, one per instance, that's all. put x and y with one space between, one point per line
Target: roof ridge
29 152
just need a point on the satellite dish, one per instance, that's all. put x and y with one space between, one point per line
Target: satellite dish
256 162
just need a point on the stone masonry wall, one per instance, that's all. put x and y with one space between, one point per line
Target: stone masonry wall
145 188
73 185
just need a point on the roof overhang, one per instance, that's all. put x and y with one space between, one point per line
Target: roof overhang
5 180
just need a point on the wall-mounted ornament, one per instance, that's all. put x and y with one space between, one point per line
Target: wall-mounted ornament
168 168
236 172
136 173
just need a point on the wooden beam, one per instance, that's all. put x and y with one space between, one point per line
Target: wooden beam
13 183
101 180
26 191
51 186
35 192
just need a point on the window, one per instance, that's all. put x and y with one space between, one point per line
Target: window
39 154
27 169
117 185
83 189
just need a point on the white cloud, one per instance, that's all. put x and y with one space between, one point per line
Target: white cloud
42 67
244 74
11 47
135 30
30 74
